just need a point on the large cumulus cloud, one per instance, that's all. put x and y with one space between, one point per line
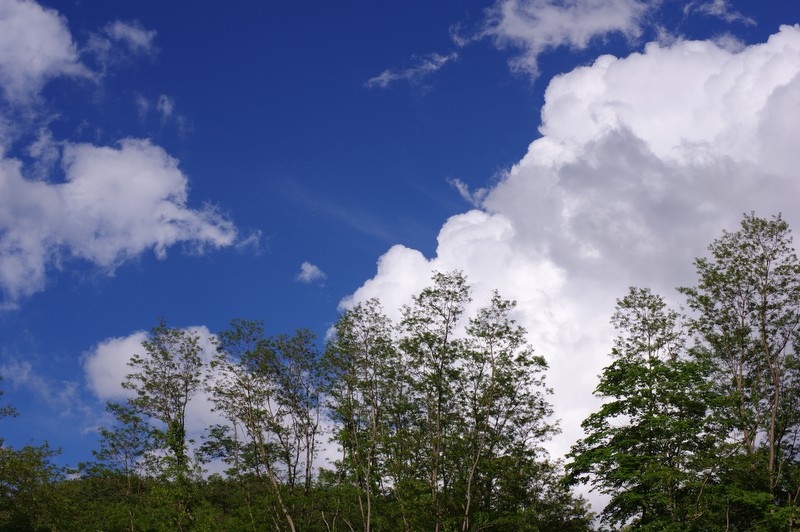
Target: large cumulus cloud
642 161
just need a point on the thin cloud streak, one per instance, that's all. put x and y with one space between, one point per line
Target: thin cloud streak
363 222
720 9
423 67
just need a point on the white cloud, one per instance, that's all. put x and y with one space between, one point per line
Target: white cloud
131 34
642 162
35 46
423 67
106 365
119 40
536 26
116 203
142 107
473 197
310 273
720 9
165 106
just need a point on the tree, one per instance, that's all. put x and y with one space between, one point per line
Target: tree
294 365
27 476
747 316
362 360
269 390
165 380
503 411
123 457
245 396
433 349
441 422
645 445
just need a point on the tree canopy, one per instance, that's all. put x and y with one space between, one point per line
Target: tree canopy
438 421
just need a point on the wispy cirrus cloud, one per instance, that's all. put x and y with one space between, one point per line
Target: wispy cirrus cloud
422 68
118 41
718 8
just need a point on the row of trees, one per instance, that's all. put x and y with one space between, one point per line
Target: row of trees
439 419
700 425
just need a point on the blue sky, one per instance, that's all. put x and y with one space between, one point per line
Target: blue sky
175 160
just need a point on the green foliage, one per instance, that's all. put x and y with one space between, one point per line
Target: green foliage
269 391
441 419
644 445
747 317
705 438
27 478
165 379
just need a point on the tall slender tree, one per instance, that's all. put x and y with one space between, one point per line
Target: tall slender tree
165 378
245 395
430 340
362 359
504 413
747 316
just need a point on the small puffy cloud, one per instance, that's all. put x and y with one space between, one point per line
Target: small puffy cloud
423 67
310 273
106 365
35 46
116 203
536 26
641 163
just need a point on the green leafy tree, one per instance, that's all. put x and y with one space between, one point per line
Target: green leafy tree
27 478
433 348
747 317
441 422
362 360
294 364
645 446
123 459
243 393
503 411
165 379
269 390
